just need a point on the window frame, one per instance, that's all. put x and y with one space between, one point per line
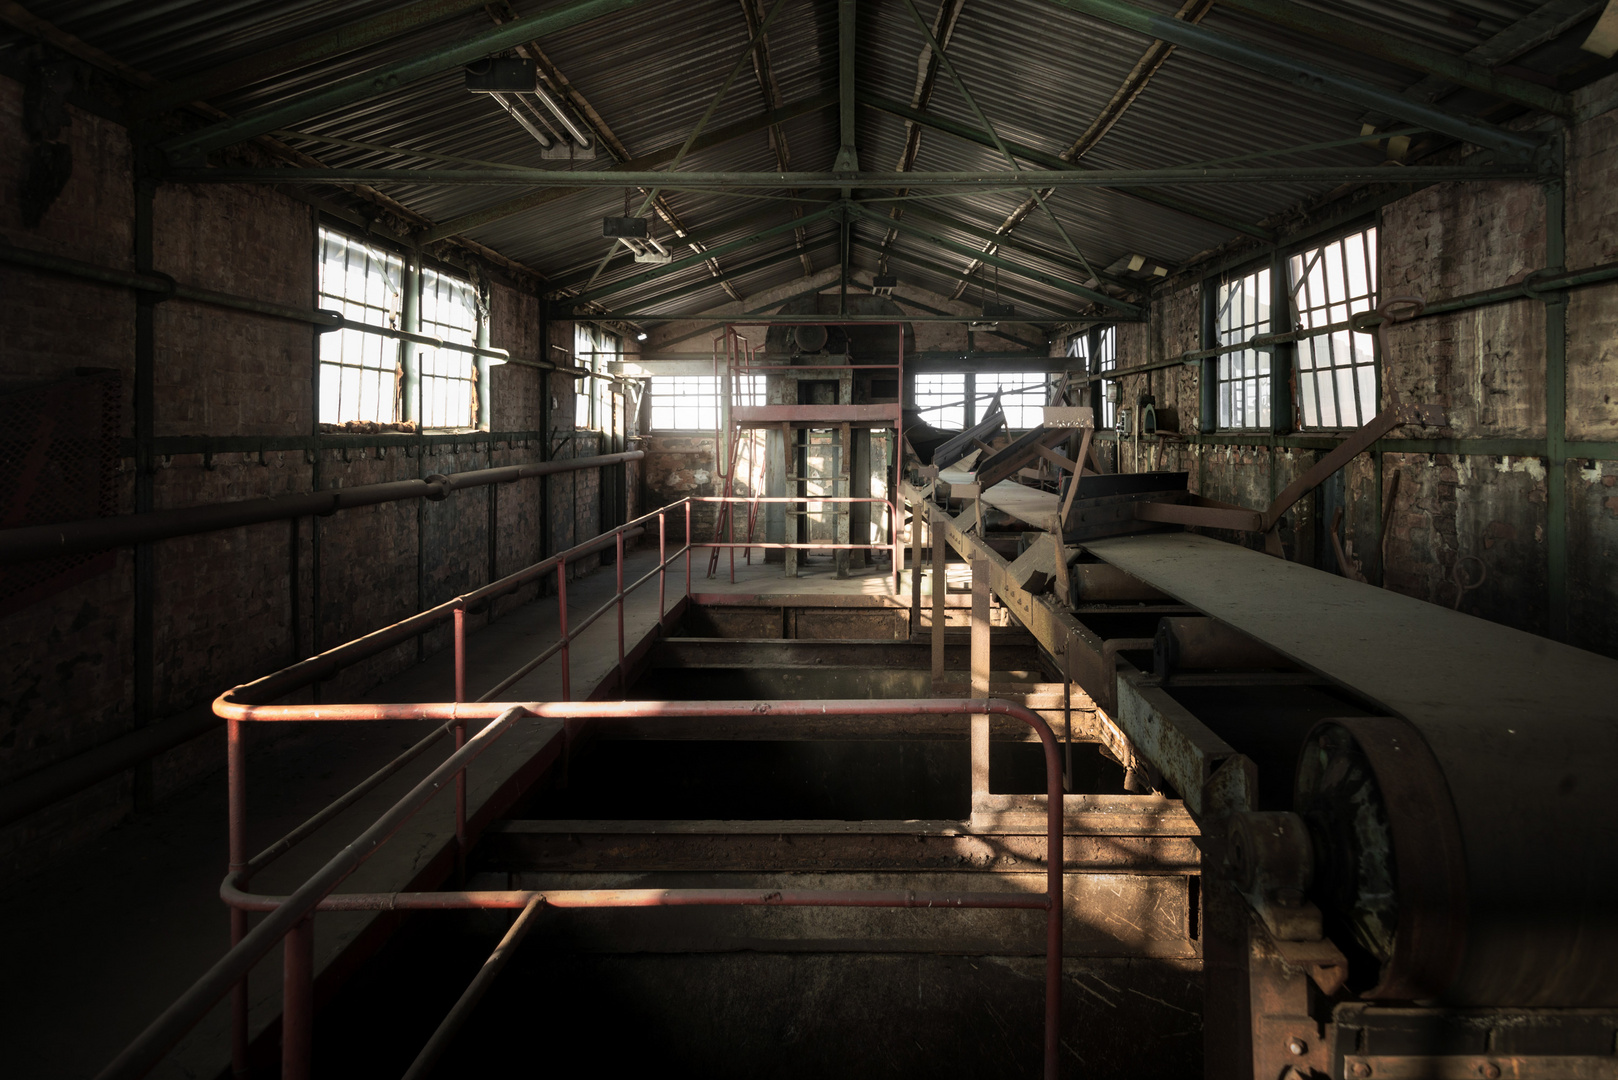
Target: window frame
708 412
1371 258
1267 379
411 367
962 402
393 277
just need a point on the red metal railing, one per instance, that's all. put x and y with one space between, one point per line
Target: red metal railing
290 918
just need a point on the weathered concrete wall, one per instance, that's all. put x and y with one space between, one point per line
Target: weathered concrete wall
1450 514
229 606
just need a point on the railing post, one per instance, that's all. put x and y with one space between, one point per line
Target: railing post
460 741
940 592
236 770
981 668
298 1000
688 548
561 616
915 566
662 562
623 684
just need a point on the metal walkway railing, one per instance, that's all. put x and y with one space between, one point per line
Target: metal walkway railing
290 918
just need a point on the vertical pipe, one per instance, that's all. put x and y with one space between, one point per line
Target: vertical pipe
940 588
980 679
623 681
460 741
298 1000
662 563
561 615
236 801
145 563
1556 416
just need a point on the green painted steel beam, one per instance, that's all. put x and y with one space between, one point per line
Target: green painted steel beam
749 222
1323 81
945 271
847 155
1018 246
716 137
563 309
390 77
1052 161
1008 265
1407 54
768 181
348 38
711 253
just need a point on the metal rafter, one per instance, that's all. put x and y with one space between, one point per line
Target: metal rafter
749 221
391 76
645 163
685 264
900 255
1011 266
962 181
640 306
1052 161
1134 83
349 38
753 11
73 46
949 13
1440 66
1324 81
605 137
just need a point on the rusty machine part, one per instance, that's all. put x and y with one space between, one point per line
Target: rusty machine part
1103 583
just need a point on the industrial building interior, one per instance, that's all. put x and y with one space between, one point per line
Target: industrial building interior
809 537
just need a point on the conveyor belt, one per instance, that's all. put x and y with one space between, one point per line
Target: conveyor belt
1524 728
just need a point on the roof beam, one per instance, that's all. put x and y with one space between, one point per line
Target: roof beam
196 145
714 252
848 159
563 309
750 221
1001 239
1324 81
1050 280
970 181
764 72
1134 84
1052 161
1373 42
645 163
310 50
899 255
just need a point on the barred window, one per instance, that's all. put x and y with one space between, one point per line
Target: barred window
1336 370
359 372
1023 396
1106 359
449 310
1243 311
941 400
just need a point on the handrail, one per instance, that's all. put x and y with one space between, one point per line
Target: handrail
288 914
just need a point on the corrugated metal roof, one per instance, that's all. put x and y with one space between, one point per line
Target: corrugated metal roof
1040 73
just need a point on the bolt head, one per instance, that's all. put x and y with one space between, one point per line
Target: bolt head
1491 1071
1360 1068
1297 1046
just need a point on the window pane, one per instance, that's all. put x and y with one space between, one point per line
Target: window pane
685 402
1243 311
941 400
1329 285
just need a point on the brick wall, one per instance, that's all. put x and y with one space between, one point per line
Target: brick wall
224 603
1486 367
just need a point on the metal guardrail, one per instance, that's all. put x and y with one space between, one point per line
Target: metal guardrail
289 918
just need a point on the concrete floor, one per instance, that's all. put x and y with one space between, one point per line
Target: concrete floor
98 946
